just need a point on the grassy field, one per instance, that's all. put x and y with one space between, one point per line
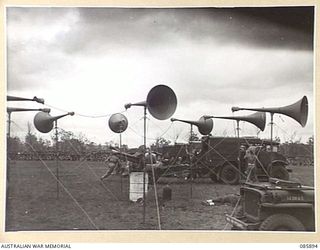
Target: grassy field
83 202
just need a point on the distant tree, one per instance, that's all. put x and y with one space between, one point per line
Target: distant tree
31 140
311 141
125 147
91 147
15 144
294 139
194 137
177 135
43 145
160 142
110 144
99 147
69 142
82 137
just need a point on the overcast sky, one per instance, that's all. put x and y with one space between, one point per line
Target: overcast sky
94 60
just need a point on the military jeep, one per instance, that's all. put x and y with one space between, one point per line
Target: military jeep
276 205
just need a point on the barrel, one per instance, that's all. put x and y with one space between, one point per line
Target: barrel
136 185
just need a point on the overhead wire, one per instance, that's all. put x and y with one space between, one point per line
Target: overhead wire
164 131
83 115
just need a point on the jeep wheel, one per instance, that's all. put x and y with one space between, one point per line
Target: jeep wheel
281 222
280 172
229 174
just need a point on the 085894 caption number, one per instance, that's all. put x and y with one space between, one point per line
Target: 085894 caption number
308 246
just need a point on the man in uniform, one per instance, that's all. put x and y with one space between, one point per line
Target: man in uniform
251 167
113 163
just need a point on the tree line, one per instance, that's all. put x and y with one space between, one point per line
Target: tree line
73 146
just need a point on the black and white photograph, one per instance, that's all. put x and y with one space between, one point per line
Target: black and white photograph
168 119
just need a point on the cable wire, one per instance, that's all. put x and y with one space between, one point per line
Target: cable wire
84 115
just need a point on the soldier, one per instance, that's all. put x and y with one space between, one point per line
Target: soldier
113 162
251 167
242 162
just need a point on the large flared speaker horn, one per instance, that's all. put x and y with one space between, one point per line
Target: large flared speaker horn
15 98
118 123
44 121
204 125
161 102
9 109
298 110
258 119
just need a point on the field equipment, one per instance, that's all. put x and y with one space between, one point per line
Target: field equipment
276 205
258 119
204 125
15 98
161 102
44 121
118 123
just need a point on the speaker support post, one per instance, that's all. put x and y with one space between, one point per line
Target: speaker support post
144 160
161 103
191 159
57 156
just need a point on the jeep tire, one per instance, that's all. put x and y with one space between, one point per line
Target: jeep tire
229 174
279 172
281 222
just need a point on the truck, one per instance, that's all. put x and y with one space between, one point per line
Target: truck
222 159
275 205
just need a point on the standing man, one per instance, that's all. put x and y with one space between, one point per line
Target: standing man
112 162
251 167
242 162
